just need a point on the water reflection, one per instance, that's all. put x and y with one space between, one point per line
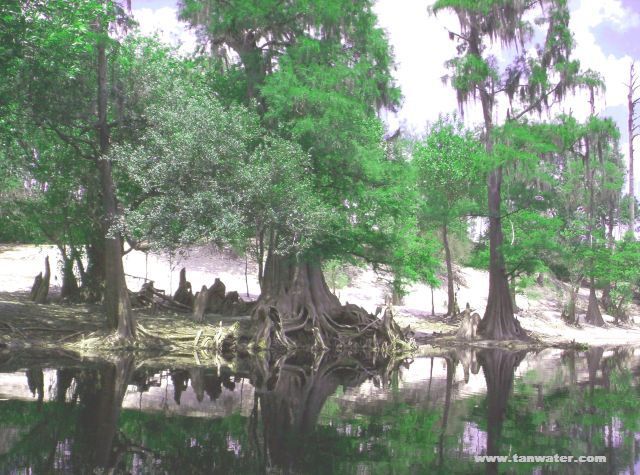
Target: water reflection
498 367
305 413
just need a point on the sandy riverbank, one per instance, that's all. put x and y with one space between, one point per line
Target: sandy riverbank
540 305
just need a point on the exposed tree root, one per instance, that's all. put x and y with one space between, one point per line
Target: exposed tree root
297 309
352 326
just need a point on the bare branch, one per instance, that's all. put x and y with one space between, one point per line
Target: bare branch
537 103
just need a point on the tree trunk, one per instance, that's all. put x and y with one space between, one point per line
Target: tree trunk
397 292
594 317
252 57
498 322
116 295
607 302
451 293
433 304
570 314
93 282
69 288
633 132
297 304
295 297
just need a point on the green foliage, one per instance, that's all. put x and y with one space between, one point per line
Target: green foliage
622 268
207 172
415 258
530 244
531 80
450 166
317 79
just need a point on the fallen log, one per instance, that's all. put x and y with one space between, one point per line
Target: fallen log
149 296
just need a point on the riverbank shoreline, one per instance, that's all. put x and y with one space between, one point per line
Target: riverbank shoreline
77 330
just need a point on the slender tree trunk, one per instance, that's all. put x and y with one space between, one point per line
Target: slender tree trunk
606 300
397 292
633 132
593 310
451 293
69 282
433 304
95 272
571 307
498 322
260 256
116 296
631 436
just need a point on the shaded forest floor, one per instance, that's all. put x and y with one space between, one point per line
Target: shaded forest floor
81 328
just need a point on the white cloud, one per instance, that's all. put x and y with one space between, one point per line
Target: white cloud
586 16
615 70
421 46
164 22
592 13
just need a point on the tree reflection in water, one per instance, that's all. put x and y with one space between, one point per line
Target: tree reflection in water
290 394
305 413
498 366
101 394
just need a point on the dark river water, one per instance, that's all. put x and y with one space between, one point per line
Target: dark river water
306 414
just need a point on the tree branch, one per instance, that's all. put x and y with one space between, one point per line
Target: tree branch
537 103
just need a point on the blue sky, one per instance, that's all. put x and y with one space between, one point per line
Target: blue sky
607 33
